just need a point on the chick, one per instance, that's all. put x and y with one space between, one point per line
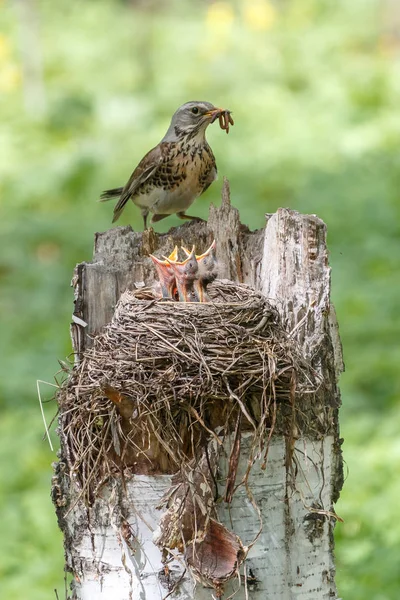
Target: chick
166 274
185 276
207 271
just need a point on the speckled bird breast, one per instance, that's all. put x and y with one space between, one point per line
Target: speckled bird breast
186 172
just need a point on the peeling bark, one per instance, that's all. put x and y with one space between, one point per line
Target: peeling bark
110 548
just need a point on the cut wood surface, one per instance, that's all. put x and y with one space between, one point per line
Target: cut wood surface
109 547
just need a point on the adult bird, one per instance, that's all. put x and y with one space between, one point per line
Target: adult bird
178 170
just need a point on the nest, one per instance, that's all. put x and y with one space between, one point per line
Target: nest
165 377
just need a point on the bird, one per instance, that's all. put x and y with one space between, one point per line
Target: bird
178 170
166 274
207 271
185 276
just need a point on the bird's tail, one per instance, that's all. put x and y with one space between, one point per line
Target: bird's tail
110 194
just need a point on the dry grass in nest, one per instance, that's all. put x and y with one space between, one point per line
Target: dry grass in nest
164 377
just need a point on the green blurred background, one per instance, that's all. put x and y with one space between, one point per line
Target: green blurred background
86 88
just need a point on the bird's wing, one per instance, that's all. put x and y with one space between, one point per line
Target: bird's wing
145 169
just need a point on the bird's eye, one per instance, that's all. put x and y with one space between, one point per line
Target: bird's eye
195 110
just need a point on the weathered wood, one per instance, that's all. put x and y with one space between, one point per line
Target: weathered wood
109 548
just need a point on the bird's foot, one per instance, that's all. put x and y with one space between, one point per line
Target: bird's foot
157 217
182 215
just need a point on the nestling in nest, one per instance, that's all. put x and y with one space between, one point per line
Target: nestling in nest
186 281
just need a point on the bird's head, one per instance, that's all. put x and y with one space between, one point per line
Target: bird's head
191 120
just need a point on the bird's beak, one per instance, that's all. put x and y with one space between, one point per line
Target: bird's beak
157 262
185 274
211 250
166 276
208 252
174 254
214 113
186 251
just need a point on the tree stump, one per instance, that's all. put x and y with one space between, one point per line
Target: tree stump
109 545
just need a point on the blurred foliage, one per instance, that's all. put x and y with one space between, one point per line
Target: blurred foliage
86 88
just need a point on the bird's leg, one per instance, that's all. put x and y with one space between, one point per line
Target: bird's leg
182 215
145 212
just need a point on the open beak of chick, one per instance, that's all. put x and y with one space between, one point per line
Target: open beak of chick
187 279
185 275
166 274
207 271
